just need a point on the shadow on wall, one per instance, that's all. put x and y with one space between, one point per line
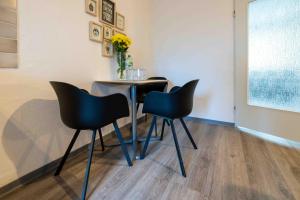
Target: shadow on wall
34 136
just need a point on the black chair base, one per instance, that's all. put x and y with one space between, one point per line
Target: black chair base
163 128
88 166
62 162
171 122
101 139
146 118
178 150
91 150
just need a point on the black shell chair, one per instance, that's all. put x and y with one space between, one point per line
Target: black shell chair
176 104
143 90
81 111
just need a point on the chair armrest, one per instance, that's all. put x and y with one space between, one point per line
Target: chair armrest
83 90
170 105
174 89
157 103
116 104
106 109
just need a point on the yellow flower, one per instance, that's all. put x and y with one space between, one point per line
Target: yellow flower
121 38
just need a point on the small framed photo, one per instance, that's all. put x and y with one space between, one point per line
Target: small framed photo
96 32
91 7
107 9
107 33
107 49
120 21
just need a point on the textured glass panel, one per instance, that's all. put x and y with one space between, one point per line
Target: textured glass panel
274 54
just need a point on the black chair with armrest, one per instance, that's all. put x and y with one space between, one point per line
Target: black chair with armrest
100 132
166 121
81 111
176 104
143 90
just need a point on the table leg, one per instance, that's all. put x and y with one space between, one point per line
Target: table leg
133 121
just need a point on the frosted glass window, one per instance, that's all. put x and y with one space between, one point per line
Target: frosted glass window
274 54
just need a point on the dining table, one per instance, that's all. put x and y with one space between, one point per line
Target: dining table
132 85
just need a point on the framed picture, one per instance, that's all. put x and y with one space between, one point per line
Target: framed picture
96 32
9 34
107 49
120 21
118 32
107 12
91 7
108 33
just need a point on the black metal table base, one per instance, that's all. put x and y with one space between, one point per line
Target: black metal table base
139 140
118 144
153 138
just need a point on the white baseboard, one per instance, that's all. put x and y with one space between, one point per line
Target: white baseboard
271 138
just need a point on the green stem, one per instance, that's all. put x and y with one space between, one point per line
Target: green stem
121 58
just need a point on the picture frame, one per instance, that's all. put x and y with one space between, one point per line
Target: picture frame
95 32
120 21
107 32
107 11
91 7
118 32
9 35
107 48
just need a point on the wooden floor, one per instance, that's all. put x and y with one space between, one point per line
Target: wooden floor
228 165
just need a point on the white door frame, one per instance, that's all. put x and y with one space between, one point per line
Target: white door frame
283 124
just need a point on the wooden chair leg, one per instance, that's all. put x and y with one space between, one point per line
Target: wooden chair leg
162 130
62 162
101 139
88 167
188 133
178 149
148 138
123 145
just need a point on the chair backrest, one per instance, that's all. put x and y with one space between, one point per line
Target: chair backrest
184 98
72 104
143 90
80 110
157 78
160 87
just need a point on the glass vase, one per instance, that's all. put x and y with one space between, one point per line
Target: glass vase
121 58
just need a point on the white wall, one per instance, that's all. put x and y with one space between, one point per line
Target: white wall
193 39
54 45
190 39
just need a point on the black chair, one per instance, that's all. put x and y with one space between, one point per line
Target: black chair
143 90
100 133
176 104
82 111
